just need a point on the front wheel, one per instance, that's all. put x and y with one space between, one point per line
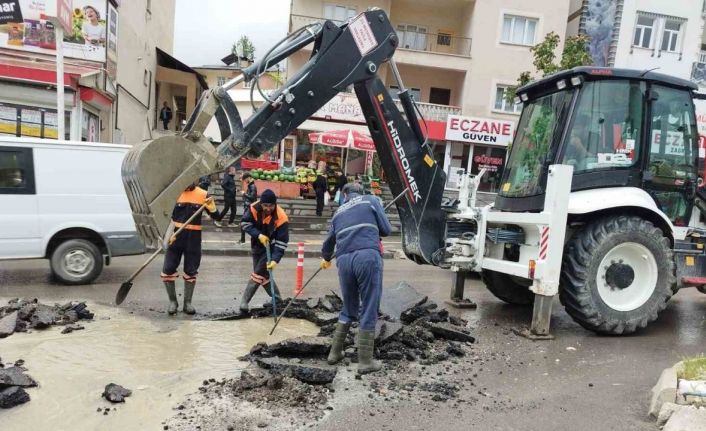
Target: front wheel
76 261
617 275
513 290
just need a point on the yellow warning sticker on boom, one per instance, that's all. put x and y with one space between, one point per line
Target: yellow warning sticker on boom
429 161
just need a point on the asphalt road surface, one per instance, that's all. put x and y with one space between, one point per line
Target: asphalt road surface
598 383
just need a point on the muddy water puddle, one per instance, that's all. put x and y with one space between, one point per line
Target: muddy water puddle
153 358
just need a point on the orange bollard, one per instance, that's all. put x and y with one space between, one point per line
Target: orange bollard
300 268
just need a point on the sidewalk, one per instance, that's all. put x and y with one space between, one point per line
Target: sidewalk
225 243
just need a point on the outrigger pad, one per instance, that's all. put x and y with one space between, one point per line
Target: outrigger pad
154 175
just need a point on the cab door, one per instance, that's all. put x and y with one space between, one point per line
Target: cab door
670 175
19 222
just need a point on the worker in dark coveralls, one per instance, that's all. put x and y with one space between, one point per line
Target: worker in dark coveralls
268 226
187 244
355 233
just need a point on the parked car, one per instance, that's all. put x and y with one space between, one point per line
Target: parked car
64 201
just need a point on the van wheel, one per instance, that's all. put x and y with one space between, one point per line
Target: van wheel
618 274
76 261
513 290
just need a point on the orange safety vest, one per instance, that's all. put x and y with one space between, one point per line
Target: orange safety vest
188 203
280 218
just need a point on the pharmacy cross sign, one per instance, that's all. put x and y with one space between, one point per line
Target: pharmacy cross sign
10 11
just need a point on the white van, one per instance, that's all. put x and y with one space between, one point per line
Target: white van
64 201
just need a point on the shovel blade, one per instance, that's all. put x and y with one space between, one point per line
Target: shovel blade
154 175
122 292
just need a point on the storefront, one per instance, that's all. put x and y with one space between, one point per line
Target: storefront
475 144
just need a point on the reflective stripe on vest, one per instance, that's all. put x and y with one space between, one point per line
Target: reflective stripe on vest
188 226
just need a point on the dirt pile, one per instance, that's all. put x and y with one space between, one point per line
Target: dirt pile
22 315
291 380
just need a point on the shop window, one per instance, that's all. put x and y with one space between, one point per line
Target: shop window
501 102
492 159
37 122
16 171
518 30
90 127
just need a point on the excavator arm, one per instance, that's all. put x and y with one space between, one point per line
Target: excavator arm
156 172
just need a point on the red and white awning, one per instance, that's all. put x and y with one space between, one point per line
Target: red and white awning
344 139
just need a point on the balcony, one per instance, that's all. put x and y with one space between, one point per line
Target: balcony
440 50
433 112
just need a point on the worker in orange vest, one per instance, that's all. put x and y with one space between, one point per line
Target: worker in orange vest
187 244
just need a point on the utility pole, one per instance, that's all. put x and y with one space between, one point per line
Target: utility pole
59 30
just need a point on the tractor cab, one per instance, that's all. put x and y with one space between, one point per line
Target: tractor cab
616 127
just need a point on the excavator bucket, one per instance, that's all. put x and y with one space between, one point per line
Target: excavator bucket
154 175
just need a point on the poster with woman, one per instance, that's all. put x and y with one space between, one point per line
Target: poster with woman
28 29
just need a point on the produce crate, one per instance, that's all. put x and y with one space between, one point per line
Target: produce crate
281 189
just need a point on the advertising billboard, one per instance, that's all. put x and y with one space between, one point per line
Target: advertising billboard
26 27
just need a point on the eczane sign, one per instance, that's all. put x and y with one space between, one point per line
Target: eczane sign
479 130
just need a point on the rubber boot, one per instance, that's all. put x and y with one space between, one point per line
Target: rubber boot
339 340
171 293
188 294
249 292
269 292
366 347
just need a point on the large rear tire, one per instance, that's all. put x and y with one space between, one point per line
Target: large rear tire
617 275
508 288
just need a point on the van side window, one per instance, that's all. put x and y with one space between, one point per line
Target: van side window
16 171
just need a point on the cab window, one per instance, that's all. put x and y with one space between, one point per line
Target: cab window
605 127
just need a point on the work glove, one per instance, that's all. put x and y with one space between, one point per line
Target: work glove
325 264
210 205
271 265
264 240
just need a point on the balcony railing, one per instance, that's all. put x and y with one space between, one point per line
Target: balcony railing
434 112
440 43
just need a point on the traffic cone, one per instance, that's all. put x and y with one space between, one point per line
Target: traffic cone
300 268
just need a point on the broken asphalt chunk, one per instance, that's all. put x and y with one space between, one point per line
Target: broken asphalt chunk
399 298
15 376
115 393
12 396
450 332
307 373
8 324
301 346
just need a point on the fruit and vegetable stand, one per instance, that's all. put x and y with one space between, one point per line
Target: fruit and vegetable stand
285 182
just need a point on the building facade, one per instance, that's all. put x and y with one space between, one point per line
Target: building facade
457 57
112 81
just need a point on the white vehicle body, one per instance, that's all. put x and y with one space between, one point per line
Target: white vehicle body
55 191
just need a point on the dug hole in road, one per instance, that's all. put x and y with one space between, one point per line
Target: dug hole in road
579 381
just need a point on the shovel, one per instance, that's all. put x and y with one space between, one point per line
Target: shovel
272 284
127 285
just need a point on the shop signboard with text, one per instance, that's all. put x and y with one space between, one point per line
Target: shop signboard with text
26 25
479 130
343 107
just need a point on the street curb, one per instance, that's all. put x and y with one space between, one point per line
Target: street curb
288 253
665 391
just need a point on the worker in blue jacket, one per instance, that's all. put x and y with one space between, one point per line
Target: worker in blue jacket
355 233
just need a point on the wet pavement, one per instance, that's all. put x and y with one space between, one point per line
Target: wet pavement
579 381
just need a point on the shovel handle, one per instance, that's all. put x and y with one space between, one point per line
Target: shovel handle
159 248
292 301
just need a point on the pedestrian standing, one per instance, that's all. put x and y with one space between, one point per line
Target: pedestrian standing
249 198
355 233
341 181
165 115
320 186
186 244
229 202
268 226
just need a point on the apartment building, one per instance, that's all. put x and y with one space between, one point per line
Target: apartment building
457 57
117 64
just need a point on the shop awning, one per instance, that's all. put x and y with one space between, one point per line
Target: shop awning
343 139
95 97
43 72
